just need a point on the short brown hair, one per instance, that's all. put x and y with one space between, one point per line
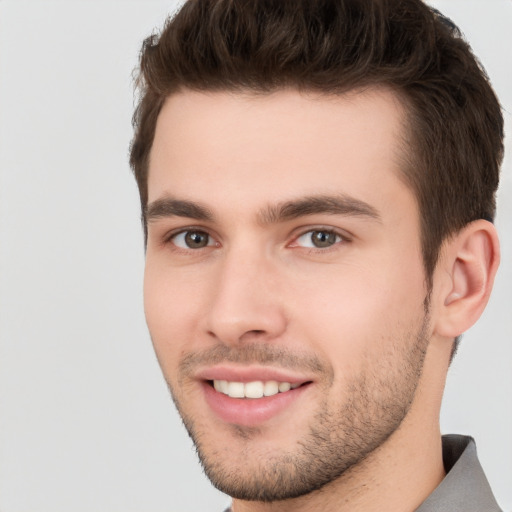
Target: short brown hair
455 137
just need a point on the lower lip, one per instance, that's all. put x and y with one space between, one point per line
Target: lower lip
250 411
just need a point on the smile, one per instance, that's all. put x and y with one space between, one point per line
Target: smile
251 402
254 389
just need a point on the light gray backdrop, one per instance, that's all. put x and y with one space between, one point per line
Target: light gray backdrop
86 424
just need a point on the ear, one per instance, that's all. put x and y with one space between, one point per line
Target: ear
468 264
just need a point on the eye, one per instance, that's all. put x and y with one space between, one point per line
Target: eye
318 239
192 239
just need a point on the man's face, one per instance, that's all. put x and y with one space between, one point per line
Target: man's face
284 259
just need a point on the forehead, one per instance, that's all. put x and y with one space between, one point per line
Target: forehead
245 149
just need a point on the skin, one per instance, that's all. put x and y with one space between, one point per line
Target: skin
350 318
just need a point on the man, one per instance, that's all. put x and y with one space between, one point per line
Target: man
317 181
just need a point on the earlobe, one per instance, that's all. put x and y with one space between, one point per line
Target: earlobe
471 259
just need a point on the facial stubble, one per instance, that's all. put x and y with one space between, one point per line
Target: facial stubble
340 436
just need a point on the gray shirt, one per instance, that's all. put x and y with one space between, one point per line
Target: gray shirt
465 487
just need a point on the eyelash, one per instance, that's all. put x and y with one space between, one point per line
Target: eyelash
341 238
171 237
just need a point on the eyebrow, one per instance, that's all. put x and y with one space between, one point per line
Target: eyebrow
169 207
339 204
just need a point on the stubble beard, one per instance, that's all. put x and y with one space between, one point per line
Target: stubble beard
339 438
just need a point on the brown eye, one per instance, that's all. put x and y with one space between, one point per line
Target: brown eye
319 239
323 239
192 240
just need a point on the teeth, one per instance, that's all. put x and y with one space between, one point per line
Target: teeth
271 388
255 389
284 386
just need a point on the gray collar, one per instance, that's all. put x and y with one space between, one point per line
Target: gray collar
465 487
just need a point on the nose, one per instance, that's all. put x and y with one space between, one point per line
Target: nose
245 301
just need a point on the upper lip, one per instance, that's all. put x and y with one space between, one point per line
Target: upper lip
250 374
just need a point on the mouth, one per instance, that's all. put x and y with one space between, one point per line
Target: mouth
252 398
254 389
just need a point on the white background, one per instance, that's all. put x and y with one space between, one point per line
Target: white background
86 423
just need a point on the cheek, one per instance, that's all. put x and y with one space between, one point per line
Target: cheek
360 308
170 309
